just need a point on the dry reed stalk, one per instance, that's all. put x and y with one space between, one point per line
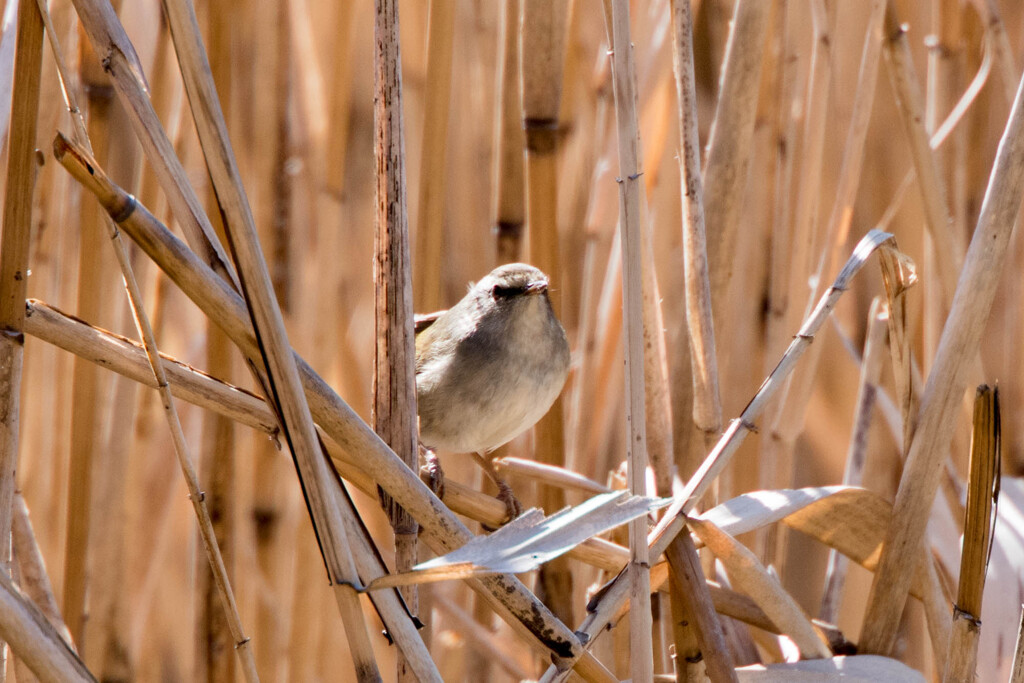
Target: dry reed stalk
907 89
1000 44
215 639
196 496
549 474
747 572
14 268
31 636
543 56
315 476
962 652
690 595
673 521
509 197
944 389
8 33
1017 673
707 404
628 134
33 578
122 65
776 460
856 455
128 358
434 155
442 530
729 148
95 296
793 404
394 363
690 591
486 643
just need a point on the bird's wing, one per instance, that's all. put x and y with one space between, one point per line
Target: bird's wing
422 321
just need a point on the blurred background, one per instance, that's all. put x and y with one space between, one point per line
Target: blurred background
296 81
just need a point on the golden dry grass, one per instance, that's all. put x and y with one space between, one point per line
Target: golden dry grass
296 83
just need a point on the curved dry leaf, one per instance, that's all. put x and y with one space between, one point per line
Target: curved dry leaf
756 509
747 573
854 522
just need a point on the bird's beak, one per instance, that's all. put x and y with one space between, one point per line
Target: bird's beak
537 287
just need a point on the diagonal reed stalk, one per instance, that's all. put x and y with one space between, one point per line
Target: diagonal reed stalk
673 522
442 530
323 494
941 398
181 448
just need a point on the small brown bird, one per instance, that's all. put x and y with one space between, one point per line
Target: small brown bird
489 368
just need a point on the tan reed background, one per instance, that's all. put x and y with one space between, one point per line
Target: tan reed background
296 82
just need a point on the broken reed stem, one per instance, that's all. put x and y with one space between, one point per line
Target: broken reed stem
628 133
983 487
707 404
944 389
31 636
181 448
222 304
856 454
394 362
15 242
674 519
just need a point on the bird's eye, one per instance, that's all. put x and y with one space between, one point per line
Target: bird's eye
502 292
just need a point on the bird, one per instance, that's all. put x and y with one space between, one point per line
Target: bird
488 368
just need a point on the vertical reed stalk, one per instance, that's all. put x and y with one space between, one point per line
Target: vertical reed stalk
394 382
707 404
322 493
543 57
510 205
434 155
14 267
729 148
95 290
983 482
624 83
856 455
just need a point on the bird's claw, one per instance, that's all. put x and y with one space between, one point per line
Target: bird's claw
431 473
512 505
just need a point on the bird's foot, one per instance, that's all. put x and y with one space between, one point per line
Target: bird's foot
512 506
431 473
